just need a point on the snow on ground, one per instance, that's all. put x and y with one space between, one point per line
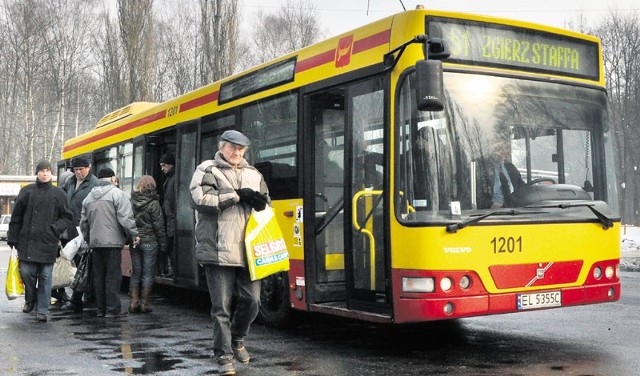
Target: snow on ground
630 248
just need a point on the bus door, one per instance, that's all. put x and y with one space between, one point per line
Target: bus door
366 256
186 271
324 265
346 265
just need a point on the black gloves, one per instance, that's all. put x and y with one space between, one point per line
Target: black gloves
259 201
11 244
252 198
246 194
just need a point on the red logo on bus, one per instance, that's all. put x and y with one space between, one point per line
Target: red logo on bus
343 52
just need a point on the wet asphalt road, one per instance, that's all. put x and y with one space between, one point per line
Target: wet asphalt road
175 339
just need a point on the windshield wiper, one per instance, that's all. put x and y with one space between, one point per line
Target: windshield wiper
604 220
452 229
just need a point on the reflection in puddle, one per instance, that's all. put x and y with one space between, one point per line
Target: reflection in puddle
152 362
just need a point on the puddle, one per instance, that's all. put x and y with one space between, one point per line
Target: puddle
152 361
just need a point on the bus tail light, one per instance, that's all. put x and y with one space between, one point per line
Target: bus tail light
418 284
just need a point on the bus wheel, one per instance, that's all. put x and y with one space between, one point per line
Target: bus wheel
275 307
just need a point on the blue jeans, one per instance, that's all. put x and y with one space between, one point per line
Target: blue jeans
143 262
107 278
222 282
33 273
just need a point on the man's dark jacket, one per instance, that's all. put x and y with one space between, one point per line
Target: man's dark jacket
75 197
41 213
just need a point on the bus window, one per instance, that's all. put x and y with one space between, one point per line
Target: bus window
516 141
125 170
271 126
107 158
425 159
138 168
210 132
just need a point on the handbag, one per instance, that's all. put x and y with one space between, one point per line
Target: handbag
14 286
72 247
266 249
63 273
83 280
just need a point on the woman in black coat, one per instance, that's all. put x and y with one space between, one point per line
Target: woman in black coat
151 230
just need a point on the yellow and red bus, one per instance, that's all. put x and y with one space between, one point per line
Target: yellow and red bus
427 166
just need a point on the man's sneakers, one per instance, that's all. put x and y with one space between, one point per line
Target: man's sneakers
41 317
225 366
240 352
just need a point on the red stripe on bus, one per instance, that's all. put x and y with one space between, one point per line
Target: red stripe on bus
361 45
315 61
123 128
535 274
372 41
200 101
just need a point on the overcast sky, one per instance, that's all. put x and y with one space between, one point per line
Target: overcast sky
338 16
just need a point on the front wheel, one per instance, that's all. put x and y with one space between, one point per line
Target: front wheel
275 306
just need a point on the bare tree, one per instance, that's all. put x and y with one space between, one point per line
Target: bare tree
109 64
66 51
293 26
177 68
620 35
136 33
219 22
25 20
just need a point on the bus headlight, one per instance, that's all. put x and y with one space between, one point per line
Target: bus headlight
446 283
597 272
465 282
416 284
608 272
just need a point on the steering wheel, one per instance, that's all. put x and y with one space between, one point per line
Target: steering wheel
540 180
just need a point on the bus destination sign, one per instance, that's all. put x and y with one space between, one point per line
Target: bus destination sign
510 47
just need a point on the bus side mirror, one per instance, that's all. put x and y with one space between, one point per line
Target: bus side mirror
429 85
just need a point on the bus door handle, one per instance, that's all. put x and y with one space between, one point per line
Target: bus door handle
366 231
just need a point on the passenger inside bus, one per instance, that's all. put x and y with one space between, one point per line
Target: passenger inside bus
507 178
424 171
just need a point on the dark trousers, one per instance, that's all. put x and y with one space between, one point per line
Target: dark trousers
107 277
231 324
37 278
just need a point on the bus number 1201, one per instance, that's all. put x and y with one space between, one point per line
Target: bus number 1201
509 244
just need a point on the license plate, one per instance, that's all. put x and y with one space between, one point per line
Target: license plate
540 300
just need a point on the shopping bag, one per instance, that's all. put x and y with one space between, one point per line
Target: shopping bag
265 247
14 287
83 280
71 248
63 273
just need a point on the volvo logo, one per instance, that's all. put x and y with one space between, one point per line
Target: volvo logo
539 273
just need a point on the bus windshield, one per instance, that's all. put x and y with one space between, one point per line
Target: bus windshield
500 143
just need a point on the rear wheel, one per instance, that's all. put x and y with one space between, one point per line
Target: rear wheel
275 306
